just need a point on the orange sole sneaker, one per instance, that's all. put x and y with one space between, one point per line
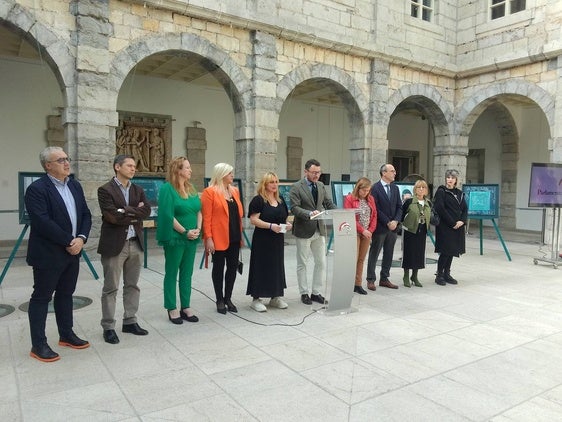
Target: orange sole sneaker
33 355
74 346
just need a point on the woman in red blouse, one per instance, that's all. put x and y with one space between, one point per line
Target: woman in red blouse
366 223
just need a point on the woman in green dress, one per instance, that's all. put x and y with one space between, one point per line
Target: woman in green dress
178 231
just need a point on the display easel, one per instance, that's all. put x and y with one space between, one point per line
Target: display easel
147 224
481 225
17 245
555 248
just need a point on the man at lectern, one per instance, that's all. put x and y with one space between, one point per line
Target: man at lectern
308 199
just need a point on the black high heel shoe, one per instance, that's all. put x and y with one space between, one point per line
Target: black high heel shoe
188 318
230 306
221 309
177 320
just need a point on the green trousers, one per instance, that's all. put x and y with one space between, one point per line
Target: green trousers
178 258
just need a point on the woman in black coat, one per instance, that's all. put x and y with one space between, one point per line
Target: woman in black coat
449 203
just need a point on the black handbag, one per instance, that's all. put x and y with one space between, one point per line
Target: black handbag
434 220
240 263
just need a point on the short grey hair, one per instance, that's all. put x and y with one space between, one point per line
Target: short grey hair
45 155
452 173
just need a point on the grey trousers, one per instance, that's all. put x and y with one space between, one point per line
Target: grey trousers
127 262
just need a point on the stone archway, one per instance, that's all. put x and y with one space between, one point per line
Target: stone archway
55 51
346 89
491 99
469 111
237 86
429 102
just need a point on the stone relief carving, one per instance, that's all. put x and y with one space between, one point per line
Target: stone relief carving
147 138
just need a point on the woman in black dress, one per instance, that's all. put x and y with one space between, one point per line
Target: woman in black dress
268 213
450 205
416 212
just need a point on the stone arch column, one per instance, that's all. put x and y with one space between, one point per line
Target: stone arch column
256 142
450 156
89 119
379 79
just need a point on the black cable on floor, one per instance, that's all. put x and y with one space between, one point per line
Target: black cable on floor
249 320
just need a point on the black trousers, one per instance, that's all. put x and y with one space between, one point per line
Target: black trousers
384 241
46 281
230 257
444 264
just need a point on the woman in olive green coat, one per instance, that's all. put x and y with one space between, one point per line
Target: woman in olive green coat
416 212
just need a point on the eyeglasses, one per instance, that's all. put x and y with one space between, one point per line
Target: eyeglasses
61 160
314 173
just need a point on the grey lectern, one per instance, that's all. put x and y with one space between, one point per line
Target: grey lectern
344 261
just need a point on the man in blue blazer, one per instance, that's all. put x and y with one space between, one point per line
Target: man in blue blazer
60 224
389 214
308 198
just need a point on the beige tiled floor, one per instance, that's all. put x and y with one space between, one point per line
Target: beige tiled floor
487 349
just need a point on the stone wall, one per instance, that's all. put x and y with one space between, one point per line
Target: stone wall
372 54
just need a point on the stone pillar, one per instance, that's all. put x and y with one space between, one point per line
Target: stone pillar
449 156
367 163
55 132
294 158
196 147
256 145
88 119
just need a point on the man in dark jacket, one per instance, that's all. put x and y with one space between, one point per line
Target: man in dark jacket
123 206
389 214
60 225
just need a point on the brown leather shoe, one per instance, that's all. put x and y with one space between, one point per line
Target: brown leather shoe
387 283
371 285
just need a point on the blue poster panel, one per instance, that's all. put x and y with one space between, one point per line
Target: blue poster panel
151 186
406 190
24 180
483 200
340 190
285 191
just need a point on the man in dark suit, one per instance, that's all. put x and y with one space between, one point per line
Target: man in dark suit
60 224
123 206
308 197
389 214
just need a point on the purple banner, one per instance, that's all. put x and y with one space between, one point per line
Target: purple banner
545 189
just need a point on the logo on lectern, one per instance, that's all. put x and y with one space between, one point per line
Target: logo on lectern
345 227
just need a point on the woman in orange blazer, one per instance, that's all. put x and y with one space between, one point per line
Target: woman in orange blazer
222 231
